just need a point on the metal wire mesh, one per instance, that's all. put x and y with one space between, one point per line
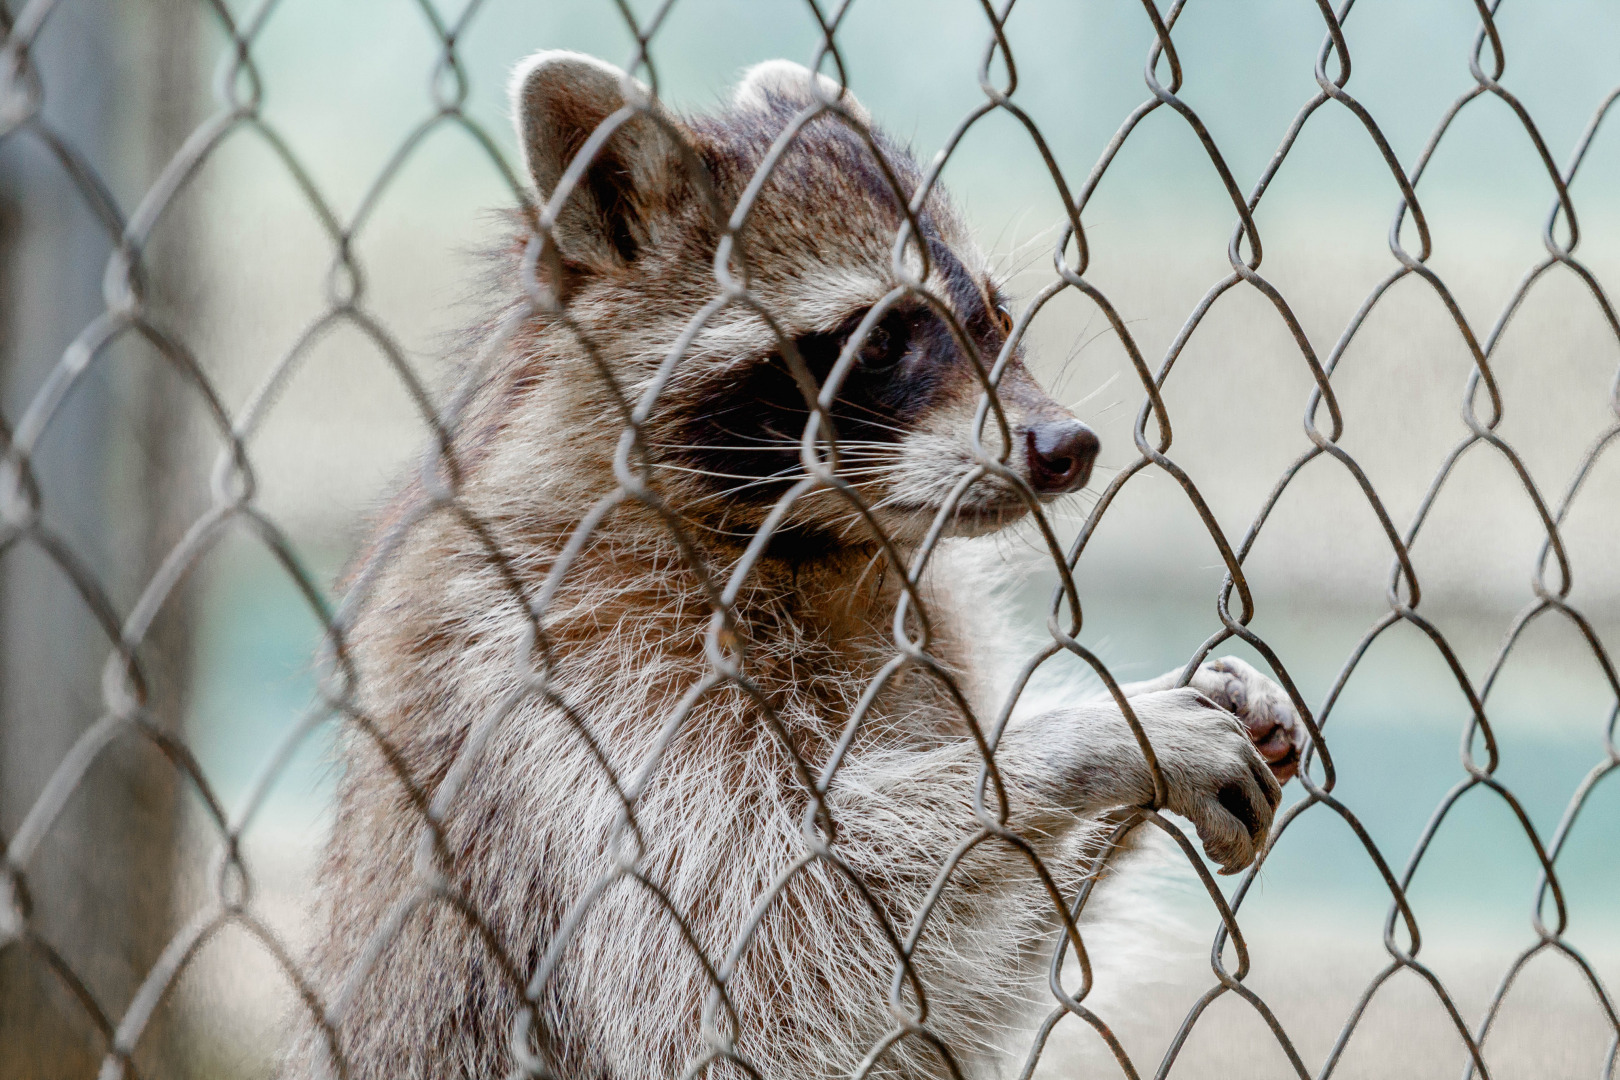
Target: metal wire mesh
123 708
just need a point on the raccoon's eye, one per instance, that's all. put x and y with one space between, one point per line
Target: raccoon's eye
1004 319
883 348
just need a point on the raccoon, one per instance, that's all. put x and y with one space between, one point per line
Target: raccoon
633 922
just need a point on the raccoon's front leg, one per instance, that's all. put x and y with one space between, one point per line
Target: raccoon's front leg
1064 766
902 815
1273 725
1087 760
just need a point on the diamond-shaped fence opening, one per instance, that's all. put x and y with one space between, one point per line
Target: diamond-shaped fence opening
236 264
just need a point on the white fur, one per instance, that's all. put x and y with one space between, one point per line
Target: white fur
794 82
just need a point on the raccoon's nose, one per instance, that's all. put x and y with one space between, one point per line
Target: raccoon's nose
1061 453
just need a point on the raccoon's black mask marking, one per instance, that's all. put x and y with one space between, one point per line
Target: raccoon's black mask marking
745 432
744 429
749 426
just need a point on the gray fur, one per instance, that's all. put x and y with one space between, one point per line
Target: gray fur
722 814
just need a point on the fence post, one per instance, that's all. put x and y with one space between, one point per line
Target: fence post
116 488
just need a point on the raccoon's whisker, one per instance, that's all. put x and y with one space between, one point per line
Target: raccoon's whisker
771 478
858 407
778 447
1105 384
843 403
721 475
768 448
727 492
872 475
856 518
860 580
863 464
844 476
777 437
845 442
777 477
1022 256
716 530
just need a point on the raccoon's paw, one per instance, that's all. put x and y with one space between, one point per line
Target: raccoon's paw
1216 778
1269 716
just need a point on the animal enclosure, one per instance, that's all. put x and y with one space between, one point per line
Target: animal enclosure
1345 273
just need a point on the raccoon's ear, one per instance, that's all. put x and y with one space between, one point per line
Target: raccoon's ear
558 99
782 82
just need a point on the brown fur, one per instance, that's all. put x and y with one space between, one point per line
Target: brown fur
443 640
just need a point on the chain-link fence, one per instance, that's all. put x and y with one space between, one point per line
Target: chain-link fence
112 500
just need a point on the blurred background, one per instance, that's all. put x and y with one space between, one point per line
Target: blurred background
335 133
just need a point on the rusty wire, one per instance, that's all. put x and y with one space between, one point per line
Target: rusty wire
239 95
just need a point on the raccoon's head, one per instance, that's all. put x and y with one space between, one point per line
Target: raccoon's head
634 261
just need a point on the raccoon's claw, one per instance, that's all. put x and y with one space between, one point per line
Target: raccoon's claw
1267 714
